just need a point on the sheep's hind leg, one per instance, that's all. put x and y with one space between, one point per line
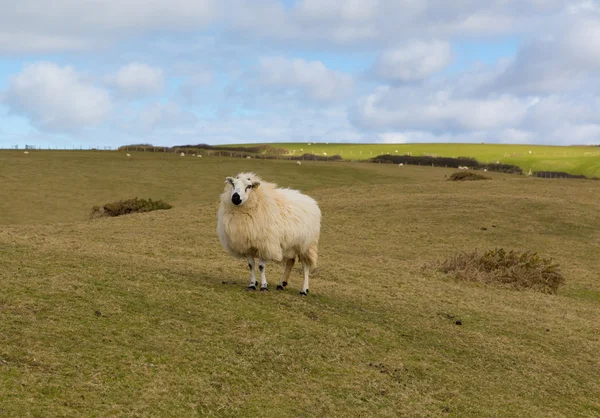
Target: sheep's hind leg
253 281
286 273
264 287
305 270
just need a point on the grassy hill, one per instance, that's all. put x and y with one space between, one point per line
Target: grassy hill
146 315
574 159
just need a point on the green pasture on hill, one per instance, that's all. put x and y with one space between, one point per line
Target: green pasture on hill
573 159
146 314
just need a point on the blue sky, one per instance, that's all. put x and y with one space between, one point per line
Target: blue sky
99 73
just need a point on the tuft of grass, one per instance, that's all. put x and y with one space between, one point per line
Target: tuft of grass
125 207
518 270
467 175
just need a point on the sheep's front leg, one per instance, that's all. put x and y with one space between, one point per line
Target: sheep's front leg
263 279
253 282
305 270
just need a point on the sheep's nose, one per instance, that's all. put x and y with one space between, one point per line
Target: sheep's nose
236 199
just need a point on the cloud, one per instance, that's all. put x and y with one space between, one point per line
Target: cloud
405 109
563 57
311 78
56 98
138 80
158 117
413 61
71 25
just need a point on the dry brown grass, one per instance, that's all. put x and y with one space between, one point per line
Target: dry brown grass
130 316
518 270
467 176
129 206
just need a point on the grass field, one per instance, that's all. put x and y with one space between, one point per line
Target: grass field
574 159
146 315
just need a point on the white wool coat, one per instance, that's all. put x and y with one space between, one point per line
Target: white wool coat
275 224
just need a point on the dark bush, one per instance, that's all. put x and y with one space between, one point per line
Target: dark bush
467 175
125 207
558 175
514 269
446 162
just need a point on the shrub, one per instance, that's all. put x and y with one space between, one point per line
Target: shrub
513 269
446 162
125 207
467 175
558 175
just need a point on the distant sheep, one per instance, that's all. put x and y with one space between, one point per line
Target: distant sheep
271 224
183 154
26 152
129 155
199 156
248 157
460 167
400 165
298 163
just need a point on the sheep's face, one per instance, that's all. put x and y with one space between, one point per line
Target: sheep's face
241 188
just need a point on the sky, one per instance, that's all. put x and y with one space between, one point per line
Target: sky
104 73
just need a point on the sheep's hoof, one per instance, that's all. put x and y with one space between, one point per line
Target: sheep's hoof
304 293
264 289
284 284
280 287
252 287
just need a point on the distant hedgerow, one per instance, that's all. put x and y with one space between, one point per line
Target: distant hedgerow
125 207
515 269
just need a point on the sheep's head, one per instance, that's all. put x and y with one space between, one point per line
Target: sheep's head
242 186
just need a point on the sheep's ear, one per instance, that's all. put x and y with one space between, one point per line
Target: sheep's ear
255 184
229 180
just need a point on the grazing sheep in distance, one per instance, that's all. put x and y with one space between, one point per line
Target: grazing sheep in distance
400 165
26 152
183 154
199 156
298 163
257 219
129 155
248 157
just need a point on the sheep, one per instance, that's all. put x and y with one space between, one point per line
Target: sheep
248 157
199 156
298 163
183 154
26 152
129 155
269 223
400 165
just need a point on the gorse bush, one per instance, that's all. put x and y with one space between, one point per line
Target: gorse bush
125 207
514 269
467 175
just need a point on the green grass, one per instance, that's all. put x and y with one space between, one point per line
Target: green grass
573 159
146 315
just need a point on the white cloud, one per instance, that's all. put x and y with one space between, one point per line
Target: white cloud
562 57
138 80
64 25
413 61
158 117
68 25
403 109
56 98
312 78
